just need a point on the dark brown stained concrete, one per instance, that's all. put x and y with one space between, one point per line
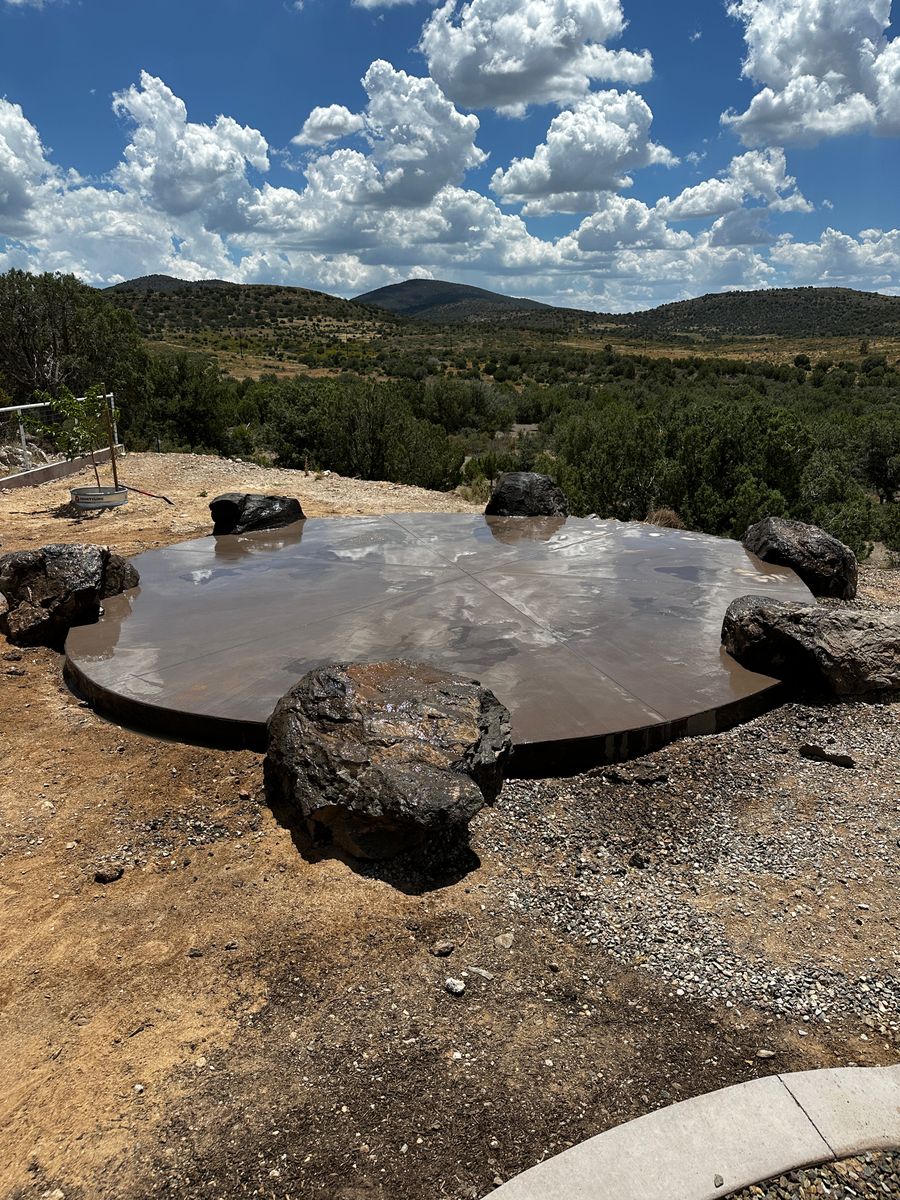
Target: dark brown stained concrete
603 639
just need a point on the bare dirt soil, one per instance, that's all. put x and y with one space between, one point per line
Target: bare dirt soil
239 1016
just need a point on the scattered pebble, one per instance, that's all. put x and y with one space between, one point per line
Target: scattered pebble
819 754
747 847
108 874
874 1176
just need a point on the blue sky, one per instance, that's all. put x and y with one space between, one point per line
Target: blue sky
608 154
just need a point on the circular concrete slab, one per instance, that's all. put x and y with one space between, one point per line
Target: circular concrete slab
602 638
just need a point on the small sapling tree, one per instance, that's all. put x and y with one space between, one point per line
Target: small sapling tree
80 426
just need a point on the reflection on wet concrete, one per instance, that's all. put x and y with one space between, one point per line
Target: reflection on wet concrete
511 530
235 546
588 630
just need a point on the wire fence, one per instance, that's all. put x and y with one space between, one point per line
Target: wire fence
19 451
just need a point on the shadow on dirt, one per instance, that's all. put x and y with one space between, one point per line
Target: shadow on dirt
428 868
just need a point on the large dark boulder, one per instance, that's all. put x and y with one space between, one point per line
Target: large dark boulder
49 590
527 494
379 757
826 566
241 512
835 650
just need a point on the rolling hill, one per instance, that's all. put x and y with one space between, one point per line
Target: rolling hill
773 312
446 303
779 312
164 306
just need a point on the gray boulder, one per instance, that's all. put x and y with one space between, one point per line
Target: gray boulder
241 512
49 590
826 566
379 757
527 494
838 651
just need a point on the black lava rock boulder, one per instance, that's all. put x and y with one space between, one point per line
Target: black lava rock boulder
242 512
49 590
833 650
527 494
826 566
379 757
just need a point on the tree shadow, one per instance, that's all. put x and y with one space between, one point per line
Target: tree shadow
437 863
69 511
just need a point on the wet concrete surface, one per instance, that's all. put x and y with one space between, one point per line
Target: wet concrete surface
602 638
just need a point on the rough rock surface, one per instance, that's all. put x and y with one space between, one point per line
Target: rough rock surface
826 566
243 512
841 651
380 756
47 591
527 494
120 575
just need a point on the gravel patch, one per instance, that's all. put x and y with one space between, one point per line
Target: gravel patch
868 1177
756 868
733 867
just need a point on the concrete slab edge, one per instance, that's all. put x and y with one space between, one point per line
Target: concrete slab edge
715 1145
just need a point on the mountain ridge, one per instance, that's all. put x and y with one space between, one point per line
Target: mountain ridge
160 301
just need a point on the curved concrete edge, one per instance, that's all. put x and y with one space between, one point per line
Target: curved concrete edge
719 1143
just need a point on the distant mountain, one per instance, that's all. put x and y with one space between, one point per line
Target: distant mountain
165 283
164 306
445 303
784 312
781 312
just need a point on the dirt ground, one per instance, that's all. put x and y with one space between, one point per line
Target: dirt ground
238 1016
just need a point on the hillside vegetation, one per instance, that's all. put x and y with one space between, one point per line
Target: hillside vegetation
253 317
774 312
782 312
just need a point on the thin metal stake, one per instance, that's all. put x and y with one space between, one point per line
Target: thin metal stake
112 402
24 442
112 444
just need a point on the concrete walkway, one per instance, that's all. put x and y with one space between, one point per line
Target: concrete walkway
717 1144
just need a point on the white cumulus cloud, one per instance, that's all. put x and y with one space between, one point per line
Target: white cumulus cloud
329 124
590 148
23 165
179 166
623 222
826 67
759 175
419 142
186 199
507 54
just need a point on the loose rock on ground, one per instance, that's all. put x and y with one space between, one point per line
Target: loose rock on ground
380 756
527 494
839 651
874 1176
826 566
242 512
49 590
